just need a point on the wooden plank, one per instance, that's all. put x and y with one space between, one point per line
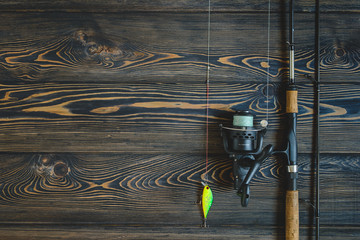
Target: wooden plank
173 6
169 47
162 190
97 232
163 118
130 84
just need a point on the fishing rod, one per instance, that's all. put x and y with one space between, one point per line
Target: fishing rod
316 82
243 142
317 143
291 151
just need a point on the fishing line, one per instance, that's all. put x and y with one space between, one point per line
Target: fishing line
268 61
207 94
207 196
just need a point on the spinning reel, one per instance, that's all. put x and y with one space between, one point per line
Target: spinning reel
243 142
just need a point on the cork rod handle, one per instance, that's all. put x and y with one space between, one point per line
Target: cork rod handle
292 215
291 101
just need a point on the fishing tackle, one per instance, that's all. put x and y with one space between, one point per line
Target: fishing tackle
317 141
243 142
207 196
292 194
206 201
316 82
291 150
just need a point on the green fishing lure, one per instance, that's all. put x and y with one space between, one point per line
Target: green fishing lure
206 201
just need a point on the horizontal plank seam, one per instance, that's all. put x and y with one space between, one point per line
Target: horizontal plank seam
182 11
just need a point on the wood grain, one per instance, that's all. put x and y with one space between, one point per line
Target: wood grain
162 190
113 48
162 118
102 118
173 6
97 232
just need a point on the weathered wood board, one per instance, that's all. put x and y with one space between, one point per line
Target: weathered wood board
161 118
154 47
102 118
173 6
161 189
100 232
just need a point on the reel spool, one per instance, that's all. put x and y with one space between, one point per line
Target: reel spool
243 142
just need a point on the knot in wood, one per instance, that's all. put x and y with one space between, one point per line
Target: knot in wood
339 52
45 160
268 90
264 65
60 169
81 36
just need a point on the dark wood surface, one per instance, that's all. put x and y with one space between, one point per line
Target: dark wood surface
102 118
159 118
175 232
136 195
130 188
172 6
155 47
